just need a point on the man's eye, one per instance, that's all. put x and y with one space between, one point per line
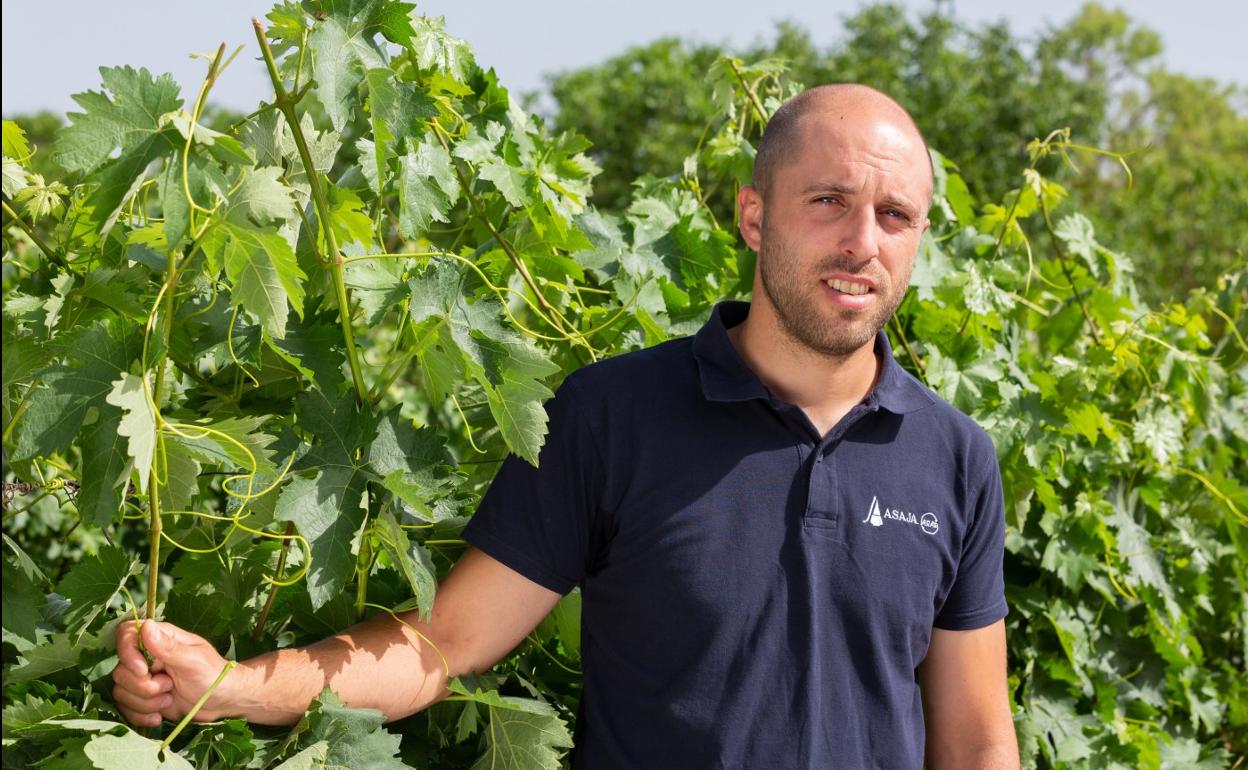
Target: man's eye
895 214
827 199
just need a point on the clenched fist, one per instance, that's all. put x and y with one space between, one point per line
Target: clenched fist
183 667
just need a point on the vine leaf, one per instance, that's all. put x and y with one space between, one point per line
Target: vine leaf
414 465
131 751
137 424
325 506
261 198
91 584
59 652
121 124
377 284
427 186
524 734
262 269
21 600
472 339
309 758
354 737
411 559
94 358
340 47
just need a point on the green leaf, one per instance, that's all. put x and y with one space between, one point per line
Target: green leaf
1075 230
137 424
352 225
355 737
1136 547
23 356
91 584
411 559
377 284
325 506
435 49
427 187
95 357
507 365
131 751
508 179
30 715
340 47
122 123
21 600
14 177
179 474
310 758
15 144
395 107
105 469
235 443
59 652
523 734
263 271
262 197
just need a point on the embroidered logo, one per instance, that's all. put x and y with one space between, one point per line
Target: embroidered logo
873 514
876 516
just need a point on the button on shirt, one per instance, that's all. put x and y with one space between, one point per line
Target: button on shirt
754 595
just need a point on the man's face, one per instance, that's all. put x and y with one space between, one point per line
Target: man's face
840 227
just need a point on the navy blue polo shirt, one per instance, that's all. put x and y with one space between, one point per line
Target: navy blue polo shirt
755 595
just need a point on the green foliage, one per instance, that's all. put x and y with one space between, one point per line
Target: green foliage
978 94
280 363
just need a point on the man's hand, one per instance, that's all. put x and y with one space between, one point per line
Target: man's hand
482 610
183 667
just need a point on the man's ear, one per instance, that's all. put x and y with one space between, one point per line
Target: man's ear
750 222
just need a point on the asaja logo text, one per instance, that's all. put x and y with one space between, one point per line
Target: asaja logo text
876 516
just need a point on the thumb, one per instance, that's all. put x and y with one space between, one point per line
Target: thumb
165 640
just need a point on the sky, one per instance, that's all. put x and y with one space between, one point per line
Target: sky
52 48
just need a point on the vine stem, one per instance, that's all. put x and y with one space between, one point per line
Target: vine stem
155 526
749 91
53 257
1064 260
258 631
285 103
905 343
199 704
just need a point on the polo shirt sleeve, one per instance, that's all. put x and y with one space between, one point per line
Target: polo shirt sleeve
539 521
977 598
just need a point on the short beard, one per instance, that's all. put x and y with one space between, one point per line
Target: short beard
797 299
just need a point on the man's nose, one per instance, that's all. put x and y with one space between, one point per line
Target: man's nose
858 239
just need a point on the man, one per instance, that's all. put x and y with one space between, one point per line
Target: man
789 549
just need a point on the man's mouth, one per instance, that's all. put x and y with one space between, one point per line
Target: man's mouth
848 287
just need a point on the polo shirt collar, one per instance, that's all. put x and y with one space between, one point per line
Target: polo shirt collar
725 377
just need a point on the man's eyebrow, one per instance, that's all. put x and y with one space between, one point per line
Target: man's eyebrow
827 185
900 202
830 186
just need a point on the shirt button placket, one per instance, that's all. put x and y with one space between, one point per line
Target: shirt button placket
821 500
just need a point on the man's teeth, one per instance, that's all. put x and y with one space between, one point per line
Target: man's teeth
849 287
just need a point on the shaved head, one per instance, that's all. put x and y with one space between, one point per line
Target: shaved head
783 136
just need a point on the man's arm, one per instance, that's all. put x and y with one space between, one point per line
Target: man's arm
966 703
482 611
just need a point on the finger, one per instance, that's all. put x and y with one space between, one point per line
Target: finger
164 640
128 648
145 686
140 704
140 719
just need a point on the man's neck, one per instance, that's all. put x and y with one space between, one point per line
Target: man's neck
824 387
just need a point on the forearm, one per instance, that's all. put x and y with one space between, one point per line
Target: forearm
380 664
999 752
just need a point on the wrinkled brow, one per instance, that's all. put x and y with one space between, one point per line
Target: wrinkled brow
843 188
824 185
